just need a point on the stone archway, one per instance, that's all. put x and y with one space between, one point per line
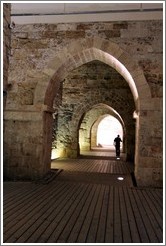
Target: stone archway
70 120
87 129
86 50
83 51
35 160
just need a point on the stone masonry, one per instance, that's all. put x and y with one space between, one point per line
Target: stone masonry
44 60
6 48
91 84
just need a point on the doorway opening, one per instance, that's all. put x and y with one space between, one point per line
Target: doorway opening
107 130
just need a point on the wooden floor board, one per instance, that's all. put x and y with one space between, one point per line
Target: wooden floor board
30 216
124 218
22 209
153 217
101 230
156 200
58 214
46 216
19 193
83 214
156 217
64 223
74 208
21 202
135 237
139 220
109 234
91 237
73 218
88 220
117 218
144 214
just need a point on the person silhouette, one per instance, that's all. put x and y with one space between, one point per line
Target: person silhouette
117 141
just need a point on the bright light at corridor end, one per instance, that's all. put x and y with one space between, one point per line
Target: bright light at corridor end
55 153
108 129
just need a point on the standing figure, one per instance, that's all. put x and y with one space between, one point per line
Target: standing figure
117 141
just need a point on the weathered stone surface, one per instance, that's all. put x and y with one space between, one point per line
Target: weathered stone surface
149 176
6 47
47 54
110 33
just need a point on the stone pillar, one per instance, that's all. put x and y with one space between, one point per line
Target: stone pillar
27 150
94 135
129 142
148 159
84 139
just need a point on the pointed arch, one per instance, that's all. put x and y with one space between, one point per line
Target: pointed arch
85 50
87 138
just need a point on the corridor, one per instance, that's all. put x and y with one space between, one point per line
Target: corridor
75 76
84 203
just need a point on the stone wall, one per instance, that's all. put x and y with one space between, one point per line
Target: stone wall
6 47
34 46
44 55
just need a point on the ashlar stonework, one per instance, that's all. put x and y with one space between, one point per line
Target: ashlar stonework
51 67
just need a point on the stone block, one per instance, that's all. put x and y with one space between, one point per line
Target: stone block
120 26
110 33
146 103
97 42
67 27
143 91
83 26
149 177
74 48
75 34
150 162
21 35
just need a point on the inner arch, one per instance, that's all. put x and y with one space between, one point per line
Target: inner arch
114 58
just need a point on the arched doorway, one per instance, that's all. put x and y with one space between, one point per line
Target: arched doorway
89 124
117 58
108 128
60 75
86 50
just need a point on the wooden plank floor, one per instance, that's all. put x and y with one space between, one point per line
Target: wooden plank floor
94 166
69 211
